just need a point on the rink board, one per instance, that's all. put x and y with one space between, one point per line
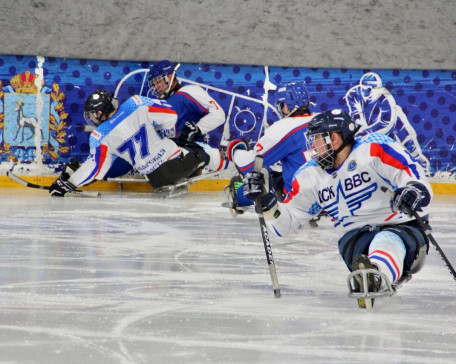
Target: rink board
415 107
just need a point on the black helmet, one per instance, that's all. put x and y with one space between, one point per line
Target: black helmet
322 125
99 100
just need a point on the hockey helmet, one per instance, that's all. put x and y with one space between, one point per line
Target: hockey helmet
99 100
159 83
319 131
294 95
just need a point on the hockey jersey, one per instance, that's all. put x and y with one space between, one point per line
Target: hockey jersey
285 142
131 135
351 194
192 103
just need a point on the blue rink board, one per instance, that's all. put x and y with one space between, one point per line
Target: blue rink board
417 107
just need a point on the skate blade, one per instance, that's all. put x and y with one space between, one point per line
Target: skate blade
234 210
172 190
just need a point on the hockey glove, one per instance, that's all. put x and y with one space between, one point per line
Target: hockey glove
228 151
189 133
61 186
410 198
254 187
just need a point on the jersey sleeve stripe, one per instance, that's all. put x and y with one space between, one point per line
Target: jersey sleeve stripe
390 157
294 191
100 157
164 110
250 165
193 100
285 137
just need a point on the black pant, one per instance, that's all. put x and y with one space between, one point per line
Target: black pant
183 167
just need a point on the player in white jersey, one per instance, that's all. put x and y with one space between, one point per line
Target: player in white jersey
344 178
282 142
127 136
198 112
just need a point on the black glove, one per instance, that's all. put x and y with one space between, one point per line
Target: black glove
61 186
410 198
254 187
189 132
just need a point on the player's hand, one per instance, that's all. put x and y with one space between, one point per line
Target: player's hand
253 185
61 186
189 132
410 198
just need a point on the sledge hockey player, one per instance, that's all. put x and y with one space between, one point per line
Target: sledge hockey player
379 239
198 112
127 137
282 142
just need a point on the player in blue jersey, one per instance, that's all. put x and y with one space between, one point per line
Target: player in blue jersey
131 136
282 142
344 177
198 112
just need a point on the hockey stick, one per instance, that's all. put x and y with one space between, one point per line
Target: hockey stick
428 234
258 165
32 185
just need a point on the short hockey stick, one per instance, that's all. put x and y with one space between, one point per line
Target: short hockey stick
32 185
258 165
427 231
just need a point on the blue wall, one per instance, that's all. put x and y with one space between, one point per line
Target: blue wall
403 103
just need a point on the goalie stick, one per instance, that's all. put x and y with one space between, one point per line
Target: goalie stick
258 165
427 231
33 185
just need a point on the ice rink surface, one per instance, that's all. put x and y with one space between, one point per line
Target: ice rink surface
135 278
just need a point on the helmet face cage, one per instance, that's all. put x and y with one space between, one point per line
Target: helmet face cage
159 84
319 148
91 118
318 137
294 95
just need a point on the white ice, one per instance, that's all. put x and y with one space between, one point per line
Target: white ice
134 278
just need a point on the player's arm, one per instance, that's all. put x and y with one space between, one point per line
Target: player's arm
282 218
215 116
273 146
95 167
407 178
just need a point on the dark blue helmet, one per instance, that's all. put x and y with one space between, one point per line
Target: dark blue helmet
294 95
319 132
159 83
333 120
